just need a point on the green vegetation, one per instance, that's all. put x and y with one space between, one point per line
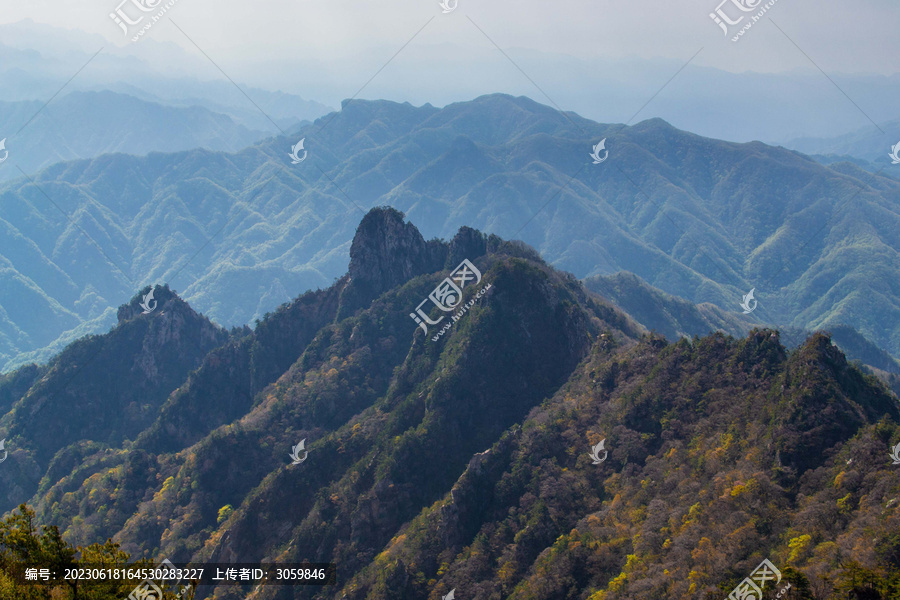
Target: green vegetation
699 218
464 463
703 481
23 546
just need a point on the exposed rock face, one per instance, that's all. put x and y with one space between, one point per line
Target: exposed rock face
174 331
388 252
469 244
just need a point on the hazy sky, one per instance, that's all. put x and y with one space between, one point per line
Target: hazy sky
601 58
840 36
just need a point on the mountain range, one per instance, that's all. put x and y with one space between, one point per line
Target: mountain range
537 442
89 124
37 59
41 63
238 234
869 143
676 318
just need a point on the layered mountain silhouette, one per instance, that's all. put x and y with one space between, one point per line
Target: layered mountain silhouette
89 124
238 234
869 143
461 460
676 318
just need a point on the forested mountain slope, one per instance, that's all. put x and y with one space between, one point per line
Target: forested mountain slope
461 460
238 234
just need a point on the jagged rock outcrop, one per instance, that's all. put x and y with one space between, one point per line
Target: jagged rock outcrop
107 388
387 252
468 244
148 300
712 442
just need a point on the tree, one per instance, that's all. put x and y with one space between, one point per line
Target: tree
23 547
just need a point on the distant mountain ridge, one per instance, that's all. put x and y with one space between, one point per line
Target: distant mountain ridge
671 317
676 318
88 124
39 58
869 143
712 102
697 218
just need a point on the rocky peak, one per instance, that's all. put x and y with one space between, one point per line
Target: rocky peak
149 299
467 243
387 252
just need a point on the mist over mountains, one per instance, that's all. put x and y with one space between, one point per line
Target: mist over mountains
239 234
460 300
89 124
867 143
154 97
39 59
